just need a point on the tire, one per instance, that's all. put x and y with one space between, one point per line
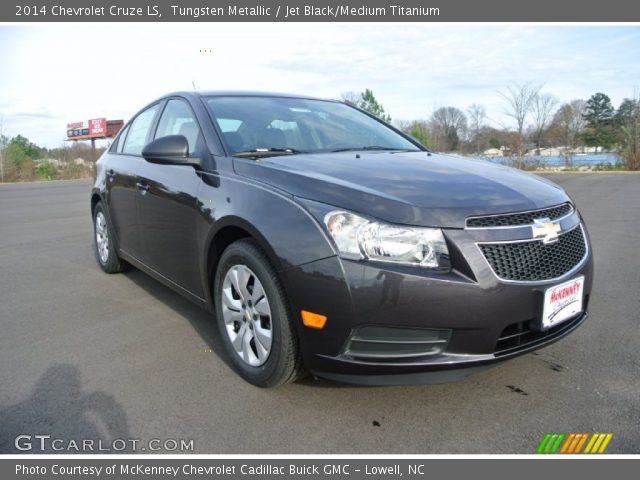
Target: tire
103 245
250 304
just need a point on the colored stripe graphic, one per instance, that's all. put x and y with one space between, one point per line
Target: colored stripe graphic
551 442
570 441
594 437
543 443
605 443
564 443
574 442
581 443
598 443
556 445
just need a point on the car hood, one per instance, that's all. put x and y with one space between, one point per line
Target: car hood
413 188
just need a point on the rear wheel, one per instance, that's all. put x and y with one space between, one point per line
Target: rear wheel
253 317
104 248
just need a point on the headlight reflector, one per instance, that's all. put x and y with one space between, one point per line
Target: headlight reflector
359 238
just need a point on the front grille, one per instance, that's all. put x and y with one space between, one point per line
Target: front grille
533 261
522 218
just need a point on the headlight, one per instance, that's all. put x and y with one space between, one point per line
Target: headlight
359 238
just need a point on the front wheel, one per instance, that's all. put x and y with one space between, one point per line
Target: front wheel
253 317
104 248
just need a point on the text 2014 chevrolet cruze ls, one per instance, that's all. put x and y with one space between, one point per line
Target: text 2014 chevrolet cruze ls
326 241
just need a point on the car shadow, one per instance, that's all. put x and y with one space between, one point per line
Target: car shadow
59 409
203 322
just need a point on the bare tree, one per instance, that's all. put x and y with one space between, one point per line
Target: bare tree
352 98
519 99
541 107
629 120
2 145
569 120
477 115
448 124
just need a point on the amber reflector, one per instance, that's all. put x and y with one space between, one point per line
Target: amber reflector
313 320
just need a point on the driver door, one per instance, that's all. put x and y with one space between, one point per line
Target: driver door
167 204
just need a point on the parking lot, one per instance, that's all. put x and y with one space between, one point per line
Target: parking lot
89 355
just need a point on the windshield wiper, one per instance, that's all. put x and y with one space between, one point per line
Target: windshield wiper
267 152
372 147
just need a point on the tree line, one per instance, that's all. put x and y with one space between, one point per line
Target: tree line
22 160
537 121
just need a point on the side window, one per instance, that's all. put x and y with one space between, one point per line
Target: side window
177 119
122 138
138 131
119 142
113 147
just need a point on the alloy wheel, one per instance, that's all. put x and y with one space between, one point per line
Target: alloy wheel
247 315
102 237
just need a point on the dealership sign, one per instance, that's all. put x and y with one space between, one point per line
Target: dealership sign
96 127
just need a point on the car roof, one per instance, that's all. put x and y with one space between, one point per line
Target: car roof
240 93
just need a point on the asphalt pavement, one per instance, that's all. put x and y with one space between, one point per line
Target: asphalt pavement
85 355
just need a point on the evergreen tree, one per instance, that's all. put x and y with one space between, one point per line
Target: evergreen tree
599 118
369 103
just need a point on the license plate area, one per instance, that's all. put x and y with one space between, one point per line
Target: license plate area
562 302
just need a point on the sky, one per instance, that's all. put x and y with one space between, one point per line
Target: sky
58 73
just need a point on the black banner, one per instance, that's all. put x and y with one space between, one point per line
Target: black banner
319 11
337 468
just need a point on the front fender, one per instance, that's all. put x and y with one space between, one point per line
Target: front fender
284 229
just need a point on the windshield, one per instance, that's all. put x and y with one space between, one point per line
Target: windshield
276 125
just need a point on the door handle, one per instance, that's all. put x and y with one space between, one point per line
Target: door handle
111 174
142 187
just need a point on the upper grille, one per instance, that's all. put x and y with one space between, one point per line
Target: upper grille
522 218
533 261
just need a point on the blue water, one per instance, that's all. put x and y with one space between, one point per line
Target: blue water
576 160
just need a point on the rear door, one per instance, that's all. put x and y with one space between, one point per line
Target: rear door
122 168
167 205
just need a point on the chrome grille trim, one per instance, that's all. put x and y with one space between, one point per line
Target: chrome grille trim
534 214
565 275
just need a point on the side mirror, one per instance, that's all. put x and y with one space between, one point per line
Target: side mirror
169 150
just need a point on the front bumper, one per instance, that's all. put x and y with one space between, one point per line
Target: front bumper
448 367
487 319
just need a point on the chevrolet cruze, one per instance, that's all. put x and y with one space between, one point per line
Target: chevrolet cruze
324 240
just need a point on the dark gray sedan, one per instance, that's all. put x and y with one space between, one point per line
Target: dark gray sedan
323 240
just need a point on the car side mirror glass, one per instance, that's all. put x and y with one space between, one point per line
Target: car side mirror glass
169 150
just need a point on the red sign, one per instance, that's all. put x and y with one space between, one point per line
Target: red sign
95 128
98 126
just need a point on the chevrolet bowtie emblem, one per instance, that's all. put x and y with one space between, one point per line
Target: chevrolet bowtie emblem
545 229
